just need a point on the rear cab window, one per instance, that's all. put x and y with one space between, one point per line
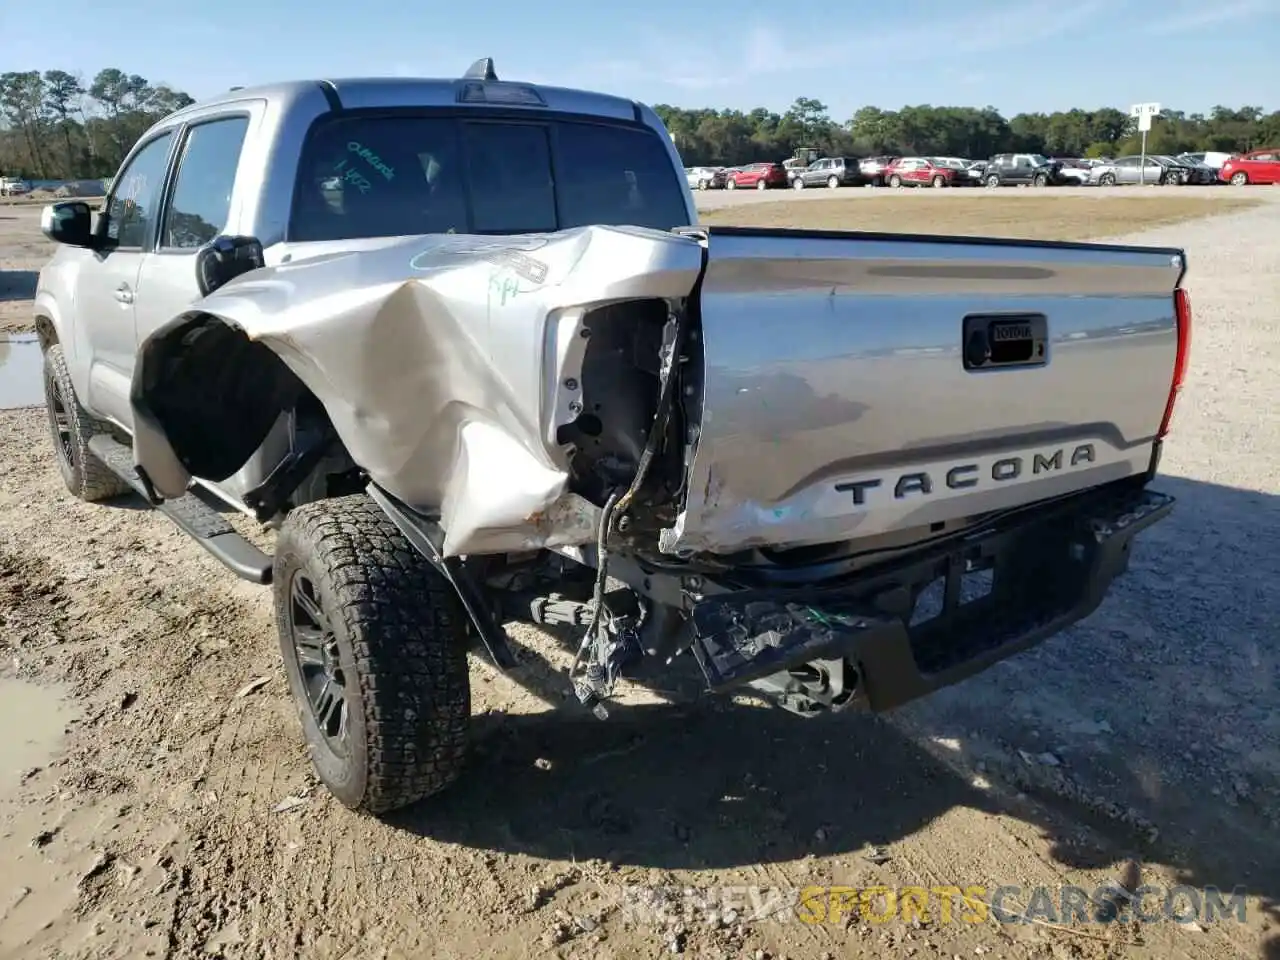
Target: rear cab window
380 175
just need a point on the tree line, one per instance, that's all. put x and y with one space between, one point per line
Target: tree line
56 125
731 137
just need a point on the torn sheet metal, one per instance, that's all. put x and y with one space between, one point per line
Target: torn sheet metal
440 359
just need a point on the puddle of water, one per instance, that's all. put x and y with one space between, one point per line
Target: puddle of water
21 375
33 719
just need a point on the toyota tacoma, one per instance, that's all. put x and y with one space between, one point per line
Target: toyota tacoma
463 348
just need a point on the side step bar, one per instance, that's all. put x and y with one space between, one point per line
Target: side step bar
192 515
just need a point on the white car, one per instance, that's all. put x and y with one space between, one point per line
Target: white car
13 187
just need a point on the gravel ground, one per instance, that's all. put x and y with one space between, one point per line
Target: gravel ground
715 199
179 817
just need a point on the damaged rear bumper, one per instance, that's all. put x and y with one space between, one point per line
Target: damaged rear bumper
1004 587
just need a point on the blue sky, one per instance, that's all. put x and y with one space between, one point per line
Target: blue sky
1018 55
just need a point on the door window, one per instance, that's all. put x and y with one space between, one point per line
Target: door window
135 195
201 200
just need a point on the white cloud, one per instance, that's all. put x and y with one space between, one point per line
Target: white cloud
767 49
1201 16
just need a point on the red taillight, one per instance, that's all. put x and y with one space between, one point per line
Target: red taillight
1182 317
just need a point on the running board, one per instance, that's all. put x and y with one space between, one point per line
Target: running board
192 516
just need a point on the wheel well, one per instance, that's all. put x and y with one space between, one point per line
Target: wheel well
215 393
45 333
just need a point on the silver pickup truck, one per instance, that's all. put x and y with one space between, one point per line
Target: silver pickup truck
463 346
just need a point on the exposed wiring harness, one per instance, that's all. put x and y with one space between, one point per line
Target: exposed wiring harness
618 503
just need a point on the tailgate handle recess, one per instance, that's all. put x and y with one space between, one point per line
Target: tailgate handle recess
994 341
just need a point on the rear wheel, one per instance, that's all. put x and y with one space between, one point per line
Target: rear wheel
1239 178
375 649
70 428
833 182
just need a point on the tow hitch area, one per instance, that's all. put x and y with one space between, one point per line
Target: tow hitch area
866 640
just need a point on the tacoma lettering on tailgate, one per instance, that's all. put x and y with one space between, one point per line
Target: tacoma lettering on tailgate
966 475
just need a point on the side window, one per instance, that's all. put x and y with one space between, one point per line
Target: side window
135 194
1127 162
202 192
509 166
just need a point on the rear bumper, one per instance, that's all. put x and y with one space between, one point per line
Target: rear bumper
1046 567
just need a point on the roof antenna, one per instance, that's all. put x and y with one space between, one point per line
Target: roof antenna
482 69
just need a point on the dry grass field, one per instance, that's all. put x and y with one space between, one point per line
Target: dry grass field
981 213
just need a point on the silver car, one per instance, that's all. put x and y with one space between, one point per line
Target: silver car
1127 170
704 178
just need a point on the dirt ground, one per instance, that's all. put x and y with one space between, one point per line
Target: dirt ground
1010 213
155 799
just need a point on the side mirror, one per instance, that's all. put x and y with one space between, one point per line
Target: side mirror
69 222
223 259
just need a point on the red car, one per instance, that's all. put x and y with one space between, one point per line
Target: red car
762 176
922 172
1260 166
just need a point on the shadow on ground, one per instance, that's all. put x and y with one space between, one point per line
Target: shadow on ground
1148 734
18 285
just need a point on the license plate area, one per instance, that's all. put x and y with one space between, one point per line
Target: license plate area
1004 340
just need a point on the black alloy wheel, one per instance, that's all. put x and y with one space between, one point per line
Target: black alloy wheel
319 662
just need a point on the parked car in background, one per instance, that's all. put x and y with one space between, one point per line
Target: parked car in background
873 169
13 187
975 171
758 176
830 172
1210 158
1022 169
1074 171
922 172
1127 170
1260 166
1186 172
704 178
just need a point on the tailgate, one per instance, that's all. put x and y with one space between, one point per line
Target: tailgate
856 385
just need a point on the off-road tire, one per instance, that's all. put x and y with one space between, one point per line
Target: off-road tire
401 644
86 477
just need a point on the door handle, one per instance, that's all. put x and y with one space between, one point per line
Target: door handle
124 294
